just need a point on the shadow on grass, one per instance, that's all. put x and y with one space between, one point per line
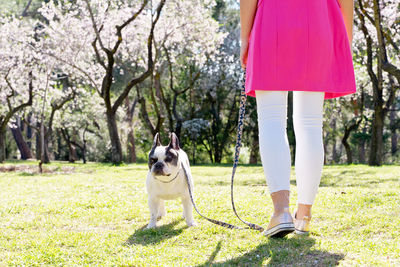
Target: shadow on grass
356 181
290 251
213 255
146 236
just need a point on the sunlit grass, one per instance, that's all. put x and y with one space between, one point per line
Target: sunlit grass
94 215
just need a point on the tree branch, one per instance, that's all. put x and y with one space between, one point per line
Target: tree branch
150 62
121 27
7 118
369 44
25 12
144 113
96 31
386 33
96 51
54 108
392 95
75 67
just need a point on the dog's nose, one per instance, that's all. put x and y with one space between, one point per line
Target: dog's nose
158 165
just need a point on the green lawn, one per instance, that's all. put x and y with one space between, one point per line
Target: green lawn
95 215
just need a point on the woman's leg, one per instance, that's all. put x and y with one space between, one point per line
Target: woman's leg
274 145
309 158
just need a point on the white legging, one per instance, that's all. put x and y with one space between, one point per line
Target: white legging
274 145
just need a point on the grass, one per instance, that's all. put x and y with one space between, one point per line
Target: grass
96 215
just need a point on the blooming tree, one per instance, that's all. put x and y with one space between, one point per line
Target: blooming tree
20 73
92 37
101 38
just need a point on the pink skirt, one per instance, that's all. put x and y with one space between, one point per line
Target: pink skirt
299 46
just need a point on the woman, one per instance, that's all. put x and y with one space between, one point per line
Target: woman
304 47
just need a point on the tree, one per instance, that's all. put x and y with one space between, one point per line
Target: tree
17 72
110 27
383 35
186 40
353 124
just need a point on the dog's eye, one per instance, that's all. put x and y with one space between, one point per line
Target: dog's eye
153 160
168 159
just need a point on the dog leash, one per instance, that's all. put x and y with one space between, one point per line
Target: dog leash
220 223
237 150
235 163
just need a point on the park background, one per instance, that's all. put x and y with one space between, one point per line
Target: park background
84 87
175 69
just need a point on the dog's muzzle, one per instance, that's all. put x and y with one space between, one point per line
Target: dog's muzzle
159 169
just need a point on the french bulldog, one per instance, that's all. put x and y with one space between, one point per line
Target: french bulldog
166 179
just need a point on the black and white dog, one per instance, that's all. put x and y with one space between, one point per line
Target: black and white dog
166 179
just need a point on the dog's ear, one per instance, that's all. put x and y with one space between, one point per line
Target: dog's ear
174 141
156 141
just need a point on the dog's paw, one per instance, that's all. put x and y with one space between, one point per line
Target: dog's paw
190 224
161 214
151 226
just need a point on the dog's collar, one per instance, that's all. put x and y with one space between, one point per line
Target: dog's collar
166 182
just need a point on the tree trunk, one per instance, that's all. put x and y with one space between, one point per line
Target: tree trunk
82 147
72 156
340 153
361 149
334 151
325 139
84 151
131 147
361 152
194 143
58 152
209 151
21 144
29 134
217 155
254 150
40 146
37 142
178 129
349 154
335 157
116 149
347 131
3 144
393 128
376 152
49 147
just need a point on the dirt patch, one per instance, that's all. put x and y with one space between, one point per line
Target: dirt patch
34 169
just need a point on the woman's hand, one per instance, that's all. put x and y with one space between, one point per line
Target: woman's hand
247 13
244 48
